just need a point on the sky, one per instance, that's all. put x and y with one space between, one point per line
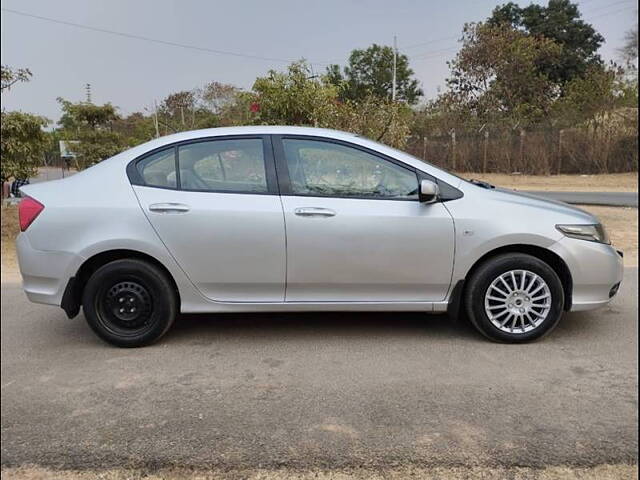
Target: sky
132 73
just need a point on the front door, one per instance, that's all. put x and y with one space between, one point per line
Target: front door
214 204
356 231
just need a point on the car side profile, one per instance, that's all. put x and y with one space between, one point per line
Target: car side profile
265 218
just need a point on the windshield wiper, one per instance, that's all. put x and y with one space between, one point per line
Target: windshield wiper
481 183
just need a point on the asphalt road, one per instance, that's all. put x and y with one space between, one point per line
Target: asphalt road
611 199
314 390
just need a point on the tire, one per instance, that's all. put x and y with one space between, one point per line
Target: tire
505 274
129 303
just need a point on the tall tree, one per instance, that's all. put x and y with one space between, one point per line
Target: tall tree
370 73
9 77
23 144
294 97
629 54
92 127
495 77
182 111
22 138
561 22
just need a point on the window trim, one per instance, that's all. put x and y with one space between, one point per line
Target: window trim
269 166
283 169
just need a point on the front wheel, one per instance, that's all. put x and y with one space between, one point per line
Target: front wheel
129 303
514 298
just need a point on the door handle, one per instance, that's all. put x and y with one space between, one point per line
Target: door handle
314 212
168 208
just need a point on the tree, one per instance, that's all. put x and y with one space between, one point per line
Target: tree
23 144
9 77
182 111
217 97
629 54
495 76
596 98
92 127
294 97
560 22
370 72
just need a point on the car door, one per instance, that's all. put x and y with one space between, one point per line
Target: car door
356 231
214 204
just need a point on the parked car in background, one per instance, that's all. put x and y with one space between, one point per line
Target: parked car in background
251 219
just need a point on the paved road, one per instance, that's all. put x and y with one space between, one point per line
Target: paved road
309 390
612 199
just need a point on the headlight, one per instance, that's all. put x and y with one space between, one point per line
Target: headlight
592 233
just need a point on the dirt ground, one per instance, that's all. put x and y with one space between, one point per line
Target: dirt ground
603 472
614 182
622 225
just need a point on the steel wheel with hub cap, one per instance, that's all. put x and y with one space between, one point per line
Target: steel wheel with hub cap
514 298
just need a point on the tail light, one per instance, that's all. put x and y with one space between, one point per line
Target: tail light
28 209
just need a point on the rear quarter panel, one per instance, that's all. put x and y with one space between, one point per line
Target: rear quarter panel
95 211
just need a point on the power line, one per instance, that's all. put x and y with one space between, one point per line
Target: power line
614 12
154 40
601 7
433 53
428 42
438 53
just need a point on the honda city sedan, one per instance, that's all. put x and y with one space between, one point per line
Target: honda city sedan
291 219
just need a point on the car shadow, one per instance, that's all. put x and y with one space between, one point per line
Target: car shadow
207 327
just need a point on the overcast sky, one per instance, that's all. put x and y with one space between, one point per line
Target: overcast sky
131 73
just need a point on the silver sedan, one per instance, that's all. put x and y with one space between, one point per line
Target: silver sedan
251 219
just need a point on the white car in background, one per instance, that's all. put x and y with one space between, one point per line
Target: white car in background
252 219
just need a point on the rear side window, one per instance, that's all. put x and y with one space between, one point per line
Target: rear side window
159 169
223 166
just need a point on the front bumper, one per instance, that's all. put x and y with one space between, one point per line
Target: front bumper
45 274
596 270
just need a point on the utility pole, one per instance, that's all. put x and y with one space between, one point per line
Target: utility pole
87 88
155 118
395 61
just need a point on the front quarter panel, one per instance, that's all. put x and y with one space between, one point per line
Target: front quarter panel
486 220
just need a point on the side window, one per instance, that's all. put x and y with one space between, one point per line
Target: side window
329 169
159 169
223 165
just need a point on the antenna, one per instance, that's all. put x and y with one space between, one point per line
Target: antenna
87 88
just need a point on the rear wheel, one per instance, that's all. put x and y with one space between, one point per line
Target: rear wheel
514 298
129 303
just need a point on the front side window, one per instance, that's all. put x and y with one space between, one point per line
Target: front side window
159 169
223 166
329 169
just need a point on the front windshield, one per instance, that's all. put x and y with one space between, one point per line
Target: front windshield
416 158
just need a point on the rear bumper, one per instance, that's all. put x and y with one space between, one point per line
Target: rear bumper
45 274
596 271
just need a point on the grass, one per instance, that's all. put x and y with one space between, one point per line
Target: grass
9 230
602 472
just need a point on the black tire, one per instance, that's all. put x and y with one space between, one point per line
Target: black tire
129 303
480 282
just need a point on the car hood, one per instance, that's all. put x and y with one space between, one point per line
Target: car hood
537 201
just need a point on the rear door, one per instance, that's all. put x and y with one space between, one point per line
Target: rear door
214 203
356 231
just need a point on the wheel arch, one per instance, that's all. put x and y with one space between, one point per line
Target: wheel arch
72 297
550 258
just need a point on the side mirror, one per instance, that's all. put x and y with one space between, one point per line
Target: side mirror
428 192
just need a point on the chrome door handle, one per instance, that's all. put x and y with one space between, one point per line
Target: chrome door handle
314 212
169 208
